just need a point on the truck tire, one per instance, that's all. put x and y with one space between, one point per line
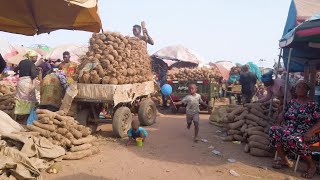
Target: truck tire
211 103
82 116
147 112
121 121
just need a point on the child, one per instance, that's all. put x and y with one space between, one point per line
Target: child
192 101
136 132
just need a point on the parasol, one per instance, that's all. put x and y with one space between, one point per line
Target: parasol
21 52
6 49
76 51
31 17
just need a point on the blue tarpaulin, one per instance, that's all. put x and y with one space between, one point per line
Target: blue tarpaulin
299 12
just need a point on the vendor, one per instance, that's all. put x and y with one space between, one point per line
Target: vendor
299 129
274 87
2 64
145 35
68 67
25 93
52 90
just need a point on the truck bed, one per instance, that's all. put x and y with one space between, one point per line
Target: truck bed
116 93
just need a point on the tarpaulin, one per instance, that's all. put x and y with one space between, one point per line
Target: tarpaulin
30 17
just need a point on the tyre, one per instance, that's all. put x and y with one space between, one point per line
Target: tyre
121 121
147 112
82 116
211 103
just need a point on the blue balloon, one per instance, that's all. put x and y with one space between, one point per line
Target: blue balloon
166 89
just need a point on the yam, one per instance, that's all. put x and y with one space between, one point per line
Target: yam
242 116
45 120
251 132
77 134
233 132
258 128
85 140
42 132
80 154
48 113
235 112
257 120
246 148
259 139
44 126
244 127
7 101
259 113
62 131
238 138
80 147
237 124
59 123
227 138
56 136
259 152
69 135
253 144
85 132
251 122
254 105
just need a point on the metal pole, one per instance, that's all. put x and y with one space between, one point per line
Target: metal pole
287 81
270 107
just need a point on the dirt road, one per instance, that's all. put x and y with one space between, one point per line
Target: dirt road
170 153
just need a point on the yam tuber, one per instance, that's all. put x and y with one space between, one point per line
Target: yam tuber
251 122
227 138
80 147
237 124
44 126
62 131
233 132
87 139
259 139
45 113
242 116
235 112
253 144
258 128
42 132
246 148
257 120
259 152
238 138
259 114
80 154
251 132
77 134
244 127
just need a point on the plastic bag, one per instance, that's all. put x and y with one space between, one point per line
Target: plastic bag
32 116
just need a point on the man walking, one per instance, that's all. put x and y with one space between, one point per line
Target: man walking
248 81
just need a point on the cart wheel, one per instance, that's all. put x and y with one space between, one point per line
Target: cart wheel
121 121
82 116
211 103
147 112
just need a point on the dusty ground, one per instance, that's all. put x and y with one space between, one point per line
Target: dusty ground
170 153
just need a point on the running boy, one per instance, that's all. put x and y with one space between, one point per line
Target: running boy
192 101
136 132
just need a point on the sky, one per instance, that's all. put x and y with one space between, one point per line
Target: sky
236 30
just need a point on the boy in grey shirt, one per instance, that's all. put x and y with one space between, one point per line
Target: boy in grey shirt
192 101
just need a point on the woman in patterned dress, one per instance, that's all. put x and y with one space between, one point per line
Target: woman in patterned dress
298 128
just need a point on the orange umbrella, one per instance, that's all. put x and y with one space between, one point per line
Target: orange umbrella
30 17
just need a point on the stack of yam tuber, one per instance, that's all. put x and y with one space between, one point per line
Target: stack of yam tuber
64 131
194 74
250 124
117 60
7 98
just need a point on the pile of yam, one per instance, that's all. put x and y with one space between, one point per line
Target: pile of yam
115 59
65 131
217 115
7 98
194 74
250 124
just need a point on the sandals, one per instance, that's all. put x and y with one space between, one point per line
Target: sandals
280 165
310 173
